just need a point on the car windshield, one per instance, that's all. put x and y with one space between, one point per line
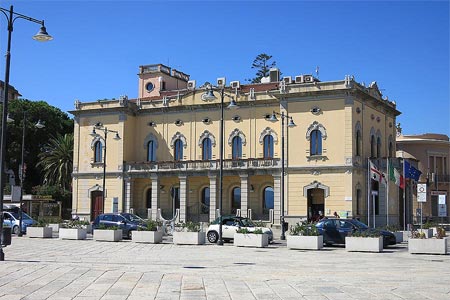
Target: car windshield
24 216
133 218
247 223
360 224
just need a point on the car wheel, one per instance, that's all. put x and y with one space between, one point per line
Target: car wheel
212 236
16 229
129 235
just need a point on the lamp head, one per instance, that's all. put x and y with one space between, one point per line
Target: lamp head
93 133
117 137
9 119
39 124
291 123
42 35
273 118
233 104
209 95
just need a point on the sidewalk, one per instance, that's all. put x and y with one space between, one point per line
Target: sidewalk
64 269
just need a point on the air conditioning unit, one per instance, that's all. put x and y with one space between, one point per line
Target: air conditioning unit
235 84
274 75
299 79
287 79
221 81
308 78
191 85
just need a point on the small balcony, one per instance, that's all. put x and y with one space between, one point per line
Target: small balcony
203 165
442 178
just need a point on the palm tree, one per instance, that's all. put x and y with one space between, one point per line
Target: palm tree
56 161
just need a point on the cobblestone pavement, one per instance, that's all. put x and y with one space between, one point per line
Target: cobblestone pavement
64 269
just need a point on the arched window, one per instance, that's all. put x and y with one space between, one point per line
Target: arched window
237 148
148 198
236 200
178 150
175 197
378 146
372 146
391 148
316 142
98 152
205 201
206 149
358 143
151 151
268 146
268 199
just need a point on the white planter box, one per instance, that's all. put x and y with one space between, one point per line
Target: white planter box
406 235
251 240
72 233
39 232
364 244
427 246
428 232
153 237
188 238
305 242
398 236
108 235
55 226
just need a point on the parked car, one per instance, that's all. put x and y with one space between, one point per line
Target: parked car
125 221
334 231
230 225
11 219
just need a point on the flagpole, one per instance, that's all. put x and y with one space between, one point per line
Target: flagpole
387 192
404 198
368 192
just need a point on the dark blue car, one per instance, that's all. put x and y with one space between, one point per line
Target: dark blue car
334 231
125 221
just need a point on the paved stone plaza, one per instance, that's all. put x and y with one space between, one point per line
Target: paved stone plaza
64 269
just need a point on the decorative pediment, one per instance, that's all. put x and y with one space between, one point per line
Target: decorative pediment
177 136
268 131
236 133
316 126
95 140
316 185
148 138
207 135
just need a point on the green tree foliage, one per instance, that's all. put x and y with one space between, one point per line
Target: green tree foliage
56 161
262 64
56 122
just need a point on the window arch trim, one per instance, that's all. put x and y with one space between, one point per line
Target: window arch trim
178 136
316 126
236 132
268 131
207 135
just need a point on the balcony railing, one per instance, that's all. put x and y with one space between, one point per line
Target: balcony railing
442 178
200 165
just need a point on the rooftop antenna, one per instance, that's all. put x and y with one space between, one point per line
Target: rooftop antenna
317 72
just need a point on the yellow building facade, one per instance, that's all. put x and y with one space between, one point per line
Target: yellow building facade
166 163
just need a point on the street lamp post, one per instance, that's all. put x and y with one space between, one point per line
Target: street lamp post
291 123
41 36
38 125
209 95
105 130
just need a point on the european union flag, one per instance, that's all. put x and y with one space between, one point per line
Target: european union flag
411 172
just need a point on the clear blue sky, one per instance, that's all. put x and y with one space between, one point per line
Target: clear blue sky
98 47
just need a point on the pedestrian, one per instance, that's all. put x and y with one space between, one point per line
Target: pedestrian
336 215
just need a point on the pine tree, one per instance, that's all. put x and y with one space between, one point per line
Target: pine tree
263 66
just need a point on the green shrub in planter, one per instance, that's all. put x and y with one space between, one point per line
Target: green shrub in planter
366 233
40 223
150 226
190 226
304 228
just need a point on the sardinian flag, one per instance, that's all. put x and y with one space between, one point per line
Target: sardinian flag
376 174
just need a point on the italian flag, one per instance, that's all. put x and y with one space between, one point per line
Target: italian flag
395 176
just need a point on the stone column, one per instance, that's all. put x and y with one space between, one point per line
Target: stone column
276 199
128 195
155 196
183 198
244 194
213 197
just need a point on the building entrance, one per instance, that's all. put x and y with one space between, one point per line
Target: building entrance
316 204
96 204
